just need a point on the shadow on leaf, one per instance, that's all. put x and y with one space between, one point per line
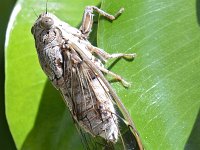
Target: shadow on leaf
53 127
192 142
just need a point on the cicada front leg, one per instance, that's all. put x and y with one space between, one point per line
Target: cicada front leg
87 19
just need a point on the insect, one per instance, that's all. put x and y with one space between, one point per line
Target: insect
75 67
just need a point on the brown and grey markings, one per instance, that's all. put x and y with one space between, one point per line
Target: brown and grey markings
67 58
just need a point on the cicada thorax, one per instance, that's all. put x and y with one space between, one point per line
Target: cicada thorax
48 46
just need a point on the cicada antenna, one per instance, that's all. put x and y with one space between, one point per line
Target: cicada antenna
46 6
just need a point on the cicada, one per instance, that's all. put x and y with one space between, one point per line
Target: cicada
76 68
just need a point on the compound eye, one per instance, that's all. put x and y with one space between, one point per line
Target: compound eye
46 22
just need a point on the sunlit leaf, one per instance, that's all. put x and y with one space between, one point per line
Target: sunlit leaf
163 99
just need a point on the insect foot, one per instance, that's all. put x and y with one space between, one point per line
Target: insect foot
130 56
125 83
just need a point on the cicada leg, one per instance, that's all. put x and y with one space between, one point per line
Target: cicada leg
87 19
103 54
116 76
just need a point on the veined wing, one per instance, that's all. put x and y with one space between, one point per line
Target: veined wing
88 77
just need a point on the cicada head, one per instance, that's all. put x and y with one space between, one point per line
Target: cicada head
45 21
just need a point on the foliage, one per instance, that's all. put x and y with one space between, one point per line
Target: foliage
164 98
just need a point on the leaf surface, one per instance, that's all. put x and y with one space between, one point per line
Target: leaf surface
163 99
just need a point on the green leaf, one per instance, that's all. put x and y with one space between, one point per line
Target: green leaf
164 98
37 116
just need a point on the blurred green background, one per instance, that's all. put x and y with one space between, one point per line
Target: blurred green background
6 141
164 100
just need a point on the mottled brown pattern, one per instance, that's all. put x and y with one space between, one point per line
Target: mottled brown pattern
66 56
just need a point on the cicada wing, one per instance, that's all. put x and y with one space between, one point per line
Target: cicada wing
128 135
78 82
124 113
127 139
93 143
